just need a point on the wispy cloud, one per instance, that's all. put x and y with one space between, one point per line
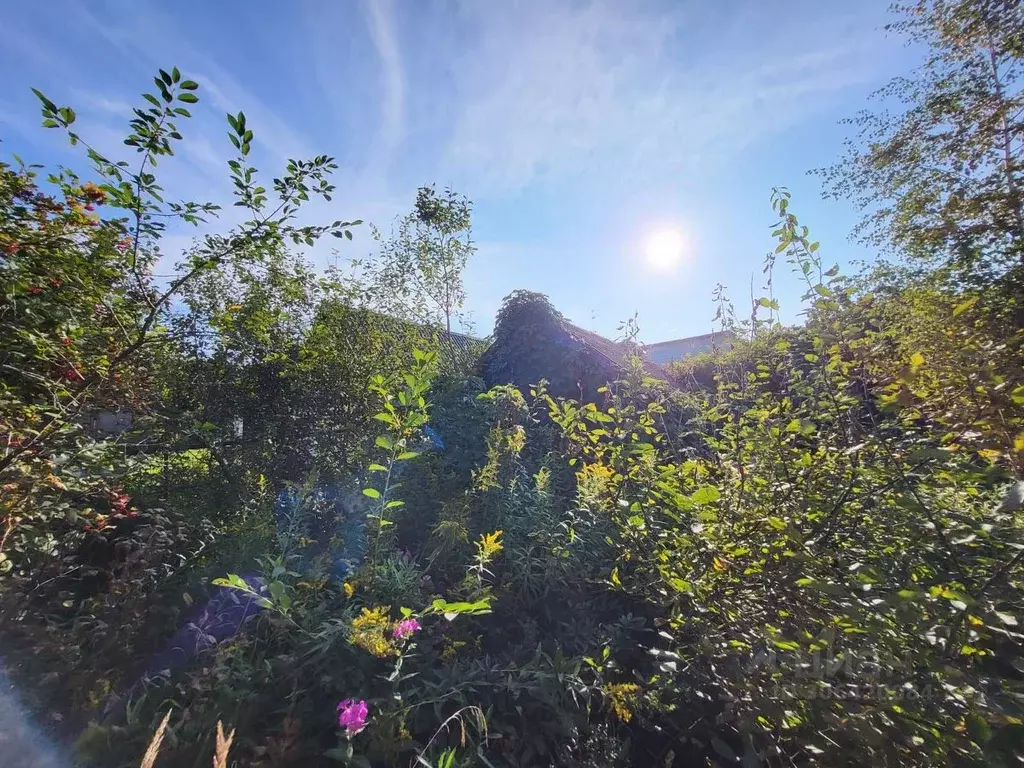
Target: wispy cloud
144 33
380 20
637 88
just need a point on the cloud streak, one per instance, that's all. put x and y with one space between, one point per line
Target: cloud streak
641 90
380 21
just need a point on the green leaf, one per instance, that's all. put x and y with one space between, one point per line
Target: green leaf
707 494
977 728
188 98
406 455
724 750
963 306
165 77
823 586
925 454
1018 395
47 104
373 493
680 585
377 468
383 441
189 85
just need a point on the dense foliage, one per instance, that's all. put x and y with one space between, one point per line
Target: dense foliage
287 502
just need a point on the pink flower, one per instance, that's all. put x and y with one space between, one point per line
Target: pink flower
352 715
405 629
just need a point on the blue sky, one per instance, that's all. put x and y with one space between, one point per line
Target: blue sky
577 127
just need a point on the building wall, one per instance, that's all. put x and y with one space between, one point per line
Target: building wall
667 351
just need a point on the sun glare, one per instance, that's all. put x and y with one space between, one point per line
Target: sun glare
665 249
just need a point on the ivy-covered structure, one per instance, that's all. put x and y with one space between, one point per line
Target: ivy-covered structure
533 341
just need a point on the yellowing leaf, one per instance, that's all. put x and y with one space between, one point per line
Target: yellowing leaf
55 482
963 306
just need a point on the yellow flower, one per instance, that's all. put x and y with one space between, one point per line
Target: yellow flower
488 546
369 632
622 698
349 589
542 480
593 484
451 650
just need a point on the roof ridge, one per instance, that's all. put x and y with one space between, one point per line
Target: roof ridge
688 338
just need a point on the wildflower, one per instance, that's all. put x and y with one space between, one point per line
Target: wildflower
56 283
593 484
489 545
35 290
622 698
368 630
451 650
352 716
542 480
12 248
349 589
124 244
405 629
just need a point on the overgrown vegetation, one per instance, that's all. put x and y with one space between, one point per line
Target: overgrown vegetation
286 501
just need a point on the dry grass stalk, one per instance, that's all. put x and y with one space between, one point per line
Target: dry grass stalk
153 749
220 757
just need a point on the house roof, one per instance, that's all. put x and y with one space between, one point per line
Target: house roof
709 336
614 353
459 340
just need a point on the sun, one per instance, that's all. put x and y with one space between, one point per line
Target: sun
665 249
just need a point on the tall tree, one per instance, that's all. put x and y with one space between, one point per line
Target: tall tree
938 169
418 271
